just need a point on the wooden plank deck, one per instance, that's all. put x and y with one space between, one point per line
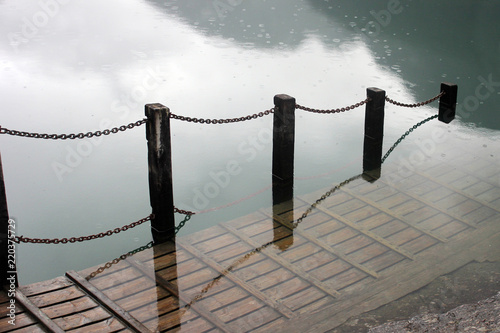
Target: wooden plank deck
362 247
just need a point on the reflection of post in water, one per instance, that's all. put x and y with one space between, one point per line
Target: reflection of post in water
283 165
163 281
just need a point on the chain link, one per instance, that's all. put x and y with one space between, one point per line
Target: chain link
222 121
415 105
183 212
414 127
347 108
182 223
22 239
72 136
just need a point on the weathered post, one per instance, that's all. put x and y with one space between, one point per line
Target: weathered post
160 172
448 102
374 134
283 169
283 148
5 264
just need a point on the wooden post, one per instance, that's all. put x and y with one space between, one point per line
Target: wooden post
374 134
160 172
448 102
283 148
4 238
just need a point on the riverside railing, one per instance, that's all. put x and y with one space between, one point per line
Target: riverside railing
160 161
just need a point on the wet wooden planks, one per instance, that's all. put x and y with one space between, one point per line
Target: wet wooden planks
361 247
58 305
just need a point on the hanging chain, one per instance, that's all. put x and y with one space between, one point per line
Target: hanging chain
347 108
117 260
183 212
73 136
22 239
222 121
415 105
182 223
131 253
414 127
323 197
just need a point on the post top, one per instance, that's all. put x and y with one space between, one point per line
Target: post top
155 107
283 97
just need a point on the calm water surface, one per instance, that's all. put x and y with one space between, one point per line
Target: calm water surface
74 66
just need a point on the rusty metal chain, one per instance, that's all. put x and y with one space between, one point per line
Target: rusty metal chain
414 105
347 108
222 121
22 239
184 212
117 260
72 136
398 141
323 197
259 249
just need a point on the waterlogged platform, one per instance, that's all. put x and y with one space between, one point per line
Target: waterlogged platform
361 247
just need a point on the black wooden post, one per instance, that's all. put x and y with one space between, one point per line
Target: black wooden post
374 134
283 148
5 265
448 102
160 172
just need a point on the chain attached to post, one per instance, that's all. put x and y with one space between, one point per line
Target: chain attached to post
22 239
72 136
414 105
222 121
338 110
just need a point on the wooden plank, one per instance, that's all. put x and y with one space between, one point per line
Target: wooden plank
336 252
30 329
115 277
109 325
106 302
173 320
45 286
368 233
69 307
429 200
284 263
79 319
128 289
23 319
151 295
253 320
174 291
381 207
218 243
53 297
37 313
253 291
205 235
